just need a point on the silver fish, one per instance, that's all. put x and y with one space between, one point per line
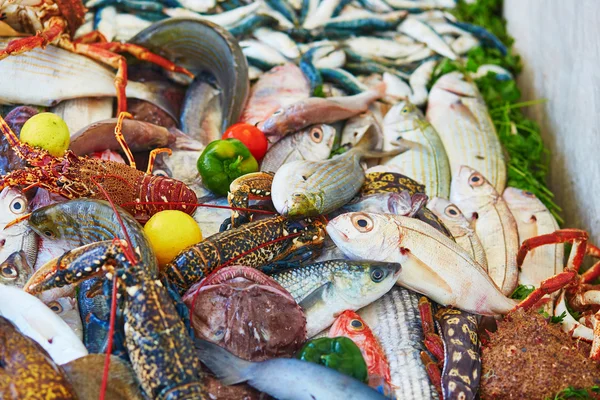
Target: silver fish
494 224
45 77
428 163
202 116
313 144
460 116
396 323
460 228
327 288
421 31
284 378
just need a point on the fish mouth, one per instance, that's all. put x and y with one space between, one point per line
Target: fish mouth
457 92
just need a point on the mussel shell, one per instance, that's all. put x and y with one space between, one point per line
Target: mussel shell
203 46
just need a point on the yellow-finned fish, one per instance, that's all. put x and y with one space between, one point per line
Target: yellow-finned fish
458 113
427 163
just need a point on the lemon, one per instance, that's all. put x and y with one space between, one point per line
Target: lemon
48 131
171 231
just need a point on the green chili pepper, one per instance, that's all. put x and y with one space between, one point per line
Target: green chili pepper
222 161
339 353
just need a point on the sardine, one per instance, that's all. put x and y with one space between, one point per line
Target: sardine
41 324
494 224
396 323
422 32
226 18
310 188
279 40
16 238
260 51
313 144
419 80
327 288
534 219
284 378
427 163
275 89
322 14
460 228
377 47
460 116
316 110
202 116
45 77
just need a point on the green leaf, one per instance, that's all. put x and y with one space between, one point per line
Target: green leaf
522 291
318 92
573 393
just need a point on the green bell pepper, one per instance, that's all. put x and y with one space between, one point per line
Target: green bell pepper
339 353
222 161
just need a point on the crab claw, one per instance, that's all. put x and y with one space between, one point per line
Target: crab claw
73 267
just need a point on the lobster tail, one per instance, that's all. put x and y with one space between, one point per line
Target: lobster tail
173 194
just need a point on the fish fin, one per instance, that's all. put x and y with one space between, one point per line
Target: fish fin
315 297
228 368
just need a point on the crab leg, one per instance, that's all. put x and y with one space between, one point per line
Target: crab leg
121 139
55 28
92 37
435 375
432 341
152 158
577 237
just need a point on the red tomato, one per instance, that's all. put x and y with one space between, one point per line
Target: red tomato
251 136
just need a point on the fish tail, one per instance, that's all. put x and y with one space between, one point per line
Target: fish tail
228 368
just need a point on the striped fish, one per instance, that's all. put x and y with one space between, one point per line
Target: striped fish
460 116
396 323
428 163
310 188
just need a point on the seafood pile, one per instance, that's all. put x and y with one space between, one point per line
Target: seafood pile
288 198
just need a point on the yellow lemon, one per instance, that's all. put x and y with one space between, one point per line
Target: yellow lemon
48 131
171 231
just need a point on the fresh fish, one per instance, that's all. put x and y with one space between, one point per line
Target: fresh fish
396 324
396 87
377 6
421 4
226 18
254 73
344 79
264 53
309 7
424 33
203 46
105 22
426 163
388 203
493 222
198 5
362 21
327 288
534 219
367 123
349 324
334 59
463 44
280 87
313 144
45 77
316 110
321 15
460 116
284 8
284 378
16 238
432 264
250 23
377 47
460 228
41 324
419 80
79 113
202 115
66 308
501 73
309 188
278 40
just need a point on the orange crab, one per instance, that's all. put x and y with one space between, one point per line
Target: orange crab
55 22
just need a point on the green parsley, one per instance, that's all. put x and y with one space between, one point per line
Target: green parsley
522 291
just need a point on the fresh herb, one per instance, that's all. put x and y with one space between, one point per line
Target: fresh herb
522 291
572 393
553 319
576 315
319 92
528 159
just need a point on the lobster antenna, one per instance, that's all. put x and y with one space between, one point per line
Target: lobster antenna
181 203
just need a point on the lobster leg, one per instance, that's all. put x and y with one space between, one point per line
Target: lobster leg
594 272
55 28
33 156
92 37
432 341
152 158
434 373
121 139
254 186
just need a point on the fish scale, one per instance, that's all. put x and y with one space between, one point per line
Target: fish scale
396 323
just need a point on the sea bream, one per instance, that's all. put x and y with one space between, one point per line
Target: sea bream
459 115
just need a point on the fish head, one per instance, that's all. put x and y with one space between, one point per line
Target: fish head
318 138
279 122
519 199
363 235
52 221
291 193
450 215
13 204
351 325
470 191
456 83
362 282
15 270
449 92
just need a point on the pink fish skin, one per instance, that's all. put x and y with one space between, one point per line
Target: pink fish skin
316 110
278 88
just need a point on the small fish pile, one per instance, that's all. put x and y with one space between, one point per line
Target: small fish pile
295 202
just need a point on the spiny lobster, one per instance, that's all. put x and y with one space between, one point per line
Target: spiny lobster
55 22
141 194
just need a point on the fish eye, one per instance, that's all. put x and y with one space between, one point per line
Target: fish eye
49 234
405 110
362 222
9 272
55 306
476 179
452 211
219 334
377 275
316 134
278 111
529 194
18 205
357 325
160 172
